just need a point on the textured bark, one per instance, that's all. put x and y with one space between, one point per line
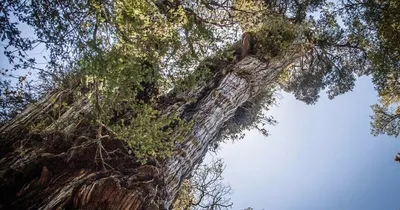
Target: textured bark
59 168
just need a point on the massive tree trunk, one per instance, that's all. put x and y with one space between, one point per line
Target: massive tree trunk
70 164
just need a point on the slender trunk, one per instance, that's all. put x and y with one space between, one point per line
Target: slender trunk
55 169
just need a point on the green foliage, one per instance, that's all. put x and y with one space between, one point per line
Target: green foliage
124 54
193 79
384 54
88 36
124 92
274 37
351 39
386 118
338 55
112 53
150 134
250 14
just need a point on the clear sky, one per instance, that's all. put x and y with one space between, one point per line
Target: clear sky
317 157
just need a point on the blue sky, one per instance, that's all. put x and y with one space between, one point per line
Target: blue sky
317 157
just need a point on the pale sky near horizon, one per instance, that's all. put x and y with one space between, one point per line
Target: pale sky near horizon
317 157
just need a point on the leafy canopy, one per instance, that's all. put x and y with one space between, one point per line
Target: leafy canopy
123 54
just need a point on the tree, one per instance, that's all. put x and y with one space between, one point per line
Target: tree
365 44
139 91
204 189
109 135
386 75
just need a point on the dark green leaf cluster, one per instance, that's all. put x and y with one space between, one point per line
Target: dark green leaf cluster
385 121
334 62
274 38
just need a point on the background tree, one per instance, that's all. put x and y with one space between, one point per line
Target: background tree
205 189
385 59
359 39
